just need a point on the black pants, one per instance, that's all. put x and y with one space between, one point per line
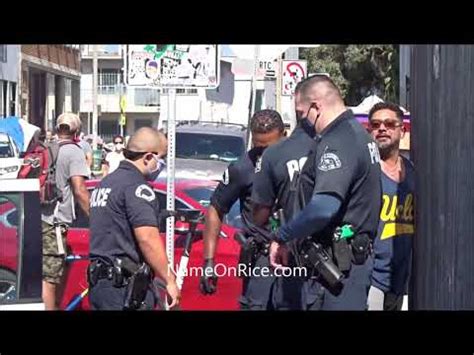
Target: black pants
392 302
354 292
257 290
105 297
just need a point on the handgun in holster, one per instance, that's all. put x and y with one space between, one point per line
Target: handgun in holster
92 273
137 288
248 250
314 257
341 247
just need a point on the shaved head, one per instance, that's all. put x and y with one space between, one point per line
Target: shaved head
147 139
318 102
321 88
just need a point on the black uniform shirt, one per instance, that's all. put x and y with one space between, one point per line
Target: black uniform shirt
121 202
281 163
347 165
237 184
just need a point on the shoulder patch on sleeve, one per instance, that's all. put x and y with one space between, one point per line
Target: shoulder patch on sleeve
329 161
145 192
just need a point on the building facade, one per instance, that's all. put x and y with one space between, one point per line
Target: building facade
50 82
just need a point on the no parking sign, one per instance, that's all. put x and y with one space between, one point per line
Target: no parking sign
293 72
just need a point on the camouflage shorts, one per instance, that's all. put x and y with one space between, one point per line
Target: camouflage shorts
53 260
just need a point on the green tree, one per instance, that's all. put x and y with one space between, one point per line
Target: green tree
327 59
359 70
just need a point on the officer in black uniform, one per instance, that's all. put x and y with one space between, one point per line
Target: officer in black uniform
346 191
267 128
126 250
275 188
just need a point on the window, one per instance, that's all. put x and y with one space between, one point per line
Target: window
6 147
109 77
5 99
3 53
139 123
209 146
146 97
12 99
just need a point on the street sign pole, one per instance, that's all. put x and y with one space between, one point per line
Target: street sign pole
254 94
149 65
170 191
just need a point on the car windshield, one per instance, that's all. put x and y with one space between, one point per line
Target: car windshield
6 150
203 196
209 147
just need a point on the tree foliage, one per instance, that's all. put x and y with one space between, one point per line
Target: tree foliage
358 70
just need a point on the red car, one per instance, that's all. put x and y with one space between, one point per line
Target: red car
8 245
193 194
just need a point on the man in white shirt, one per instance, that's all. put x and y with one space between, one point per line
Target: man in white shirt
114 158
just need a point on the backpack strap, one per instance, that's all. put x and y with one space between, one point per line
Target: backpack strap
55 153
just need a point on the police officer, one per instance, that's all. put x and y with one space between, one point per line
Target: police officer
275 188
267 128
346 191
126 250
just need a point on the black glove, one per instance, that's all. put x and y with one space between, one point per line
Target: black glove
208 284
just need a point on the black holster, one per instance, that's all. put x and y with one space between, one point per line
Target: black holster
317 260
123 272
137 287
361 248
342 254
251 249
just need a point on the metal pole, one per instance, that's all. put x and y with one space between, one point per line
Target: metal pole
278 84
254 90
121 90
18 83
94 95
170 192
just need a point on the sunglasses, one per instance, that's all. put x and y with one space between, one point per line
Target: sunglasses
389 124
120 142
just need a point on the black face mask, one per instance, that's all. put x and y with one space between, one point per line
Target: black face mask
309 128
256 153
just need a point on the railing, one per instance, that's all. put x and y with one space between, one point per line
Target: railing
137 99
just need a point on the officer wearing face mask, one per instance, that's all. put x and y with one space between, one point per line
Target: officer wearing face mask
126 250
267 128
275 188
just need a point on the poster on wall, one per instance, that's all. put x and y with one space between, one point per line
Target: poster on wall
173 65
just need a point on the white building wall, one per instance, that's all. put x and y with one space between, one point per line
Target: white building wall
50 101
9 70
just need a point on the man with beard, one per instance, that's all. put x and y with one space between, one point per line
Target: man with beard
393 245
